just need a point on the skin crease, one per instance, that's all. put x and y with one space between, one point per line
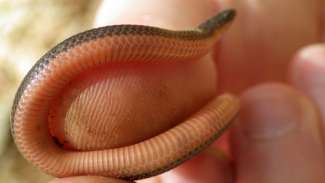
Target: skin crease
278 123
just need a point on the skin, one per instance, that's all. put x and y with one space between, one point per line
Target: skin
59 98
292 58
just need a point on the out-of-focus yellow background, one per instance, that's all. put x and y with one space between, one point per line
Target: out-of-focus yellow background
28 28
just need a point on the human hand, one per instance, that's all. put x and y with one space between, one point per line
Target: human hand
278 136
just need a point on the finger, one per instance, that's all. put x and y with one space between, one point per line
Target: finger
176 14
277 137
172 14
254 54
212 165
182 87
205 168
88 179
308 75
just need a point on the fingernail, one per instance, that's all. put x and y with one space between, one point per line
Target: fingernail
277 136
308 67
313 52
307 73
260 119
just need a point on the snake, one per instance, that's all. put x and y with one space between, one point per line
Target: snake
41 103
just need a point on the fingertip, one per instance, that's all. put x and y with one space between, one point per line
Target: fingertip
308 67
260 107
171 14
307 73
277 126
312 52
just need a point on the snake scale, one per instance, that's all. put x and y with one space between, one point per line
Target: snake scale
35 115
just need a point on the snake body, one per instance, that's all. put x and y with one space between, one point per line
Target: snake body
31 111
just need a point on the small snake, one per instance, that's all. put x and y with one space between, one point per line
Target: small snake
32 109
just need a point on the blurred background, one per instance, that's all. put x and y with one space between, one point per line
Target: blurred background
29 28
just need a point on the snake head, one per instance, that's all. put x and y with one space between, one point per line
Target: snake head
217 24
